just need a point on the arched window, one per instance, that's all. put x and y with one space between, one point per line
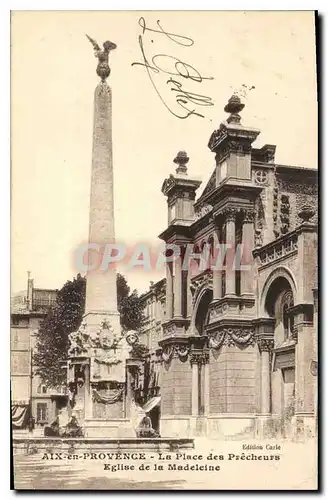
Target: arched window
196 249
285 320
205 255
41 389
196 260
288 321
222 240
211 245
202 312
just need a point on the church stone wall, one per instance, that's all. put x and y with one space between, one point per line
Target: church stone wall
176 388
217 390
277 400
299 192
257 373
232 380
309 264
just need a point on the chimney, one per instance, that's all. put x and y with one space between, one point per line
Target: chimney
30 282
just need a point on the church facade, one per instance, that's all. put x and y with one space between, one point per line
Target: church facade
236 350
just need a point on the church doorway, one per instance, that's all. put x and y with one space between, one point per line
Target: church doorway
279 303
201 321
202 311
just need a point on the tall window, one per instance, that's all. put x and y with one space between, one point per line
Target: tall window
287 319
184 283
239 235
41 389
184 291
211 250
222 240
41 412
196 261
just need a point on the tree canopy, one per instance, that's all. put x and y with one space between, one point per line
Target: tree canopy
66 316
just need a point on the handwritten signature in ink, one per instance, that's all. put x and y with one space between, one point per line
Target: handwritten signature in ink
179 68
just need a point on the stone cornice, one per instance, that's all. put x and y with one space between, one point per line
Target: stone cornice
230 133
177 231
175 321
182 339
264 322
307 227
197 341
175 328
220 305
234 323
287 347
264 154
301 308
232 187
304 172
27 314
261 164
173 183
234 299
225 322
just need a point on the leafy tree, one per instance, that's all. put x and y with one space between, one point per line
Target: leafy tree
128 305
66 316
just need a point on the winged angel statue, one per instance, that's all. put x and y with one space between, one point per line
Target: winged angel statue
103 69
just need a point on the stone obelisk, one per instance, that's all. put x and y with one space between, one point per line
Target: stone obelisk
98 350
101 294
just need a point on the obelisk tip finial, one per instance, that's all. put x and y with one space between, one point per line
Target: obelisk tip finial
103 69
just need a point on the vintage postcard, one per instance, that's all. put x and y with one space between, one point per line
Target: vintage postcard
164 250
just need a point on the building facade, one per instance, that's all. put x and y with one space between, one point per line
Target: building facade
237 351
28 309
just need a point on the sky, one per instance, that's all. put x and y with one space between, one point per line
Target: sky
53 80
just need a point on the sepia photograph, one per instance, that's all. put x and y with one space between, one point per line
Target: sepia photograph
164 250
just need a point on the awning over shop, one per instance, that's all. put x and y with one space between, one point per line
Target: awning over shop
151 404
19 416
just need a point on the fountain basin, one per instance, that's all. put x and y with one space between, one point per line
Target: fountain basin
31 445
